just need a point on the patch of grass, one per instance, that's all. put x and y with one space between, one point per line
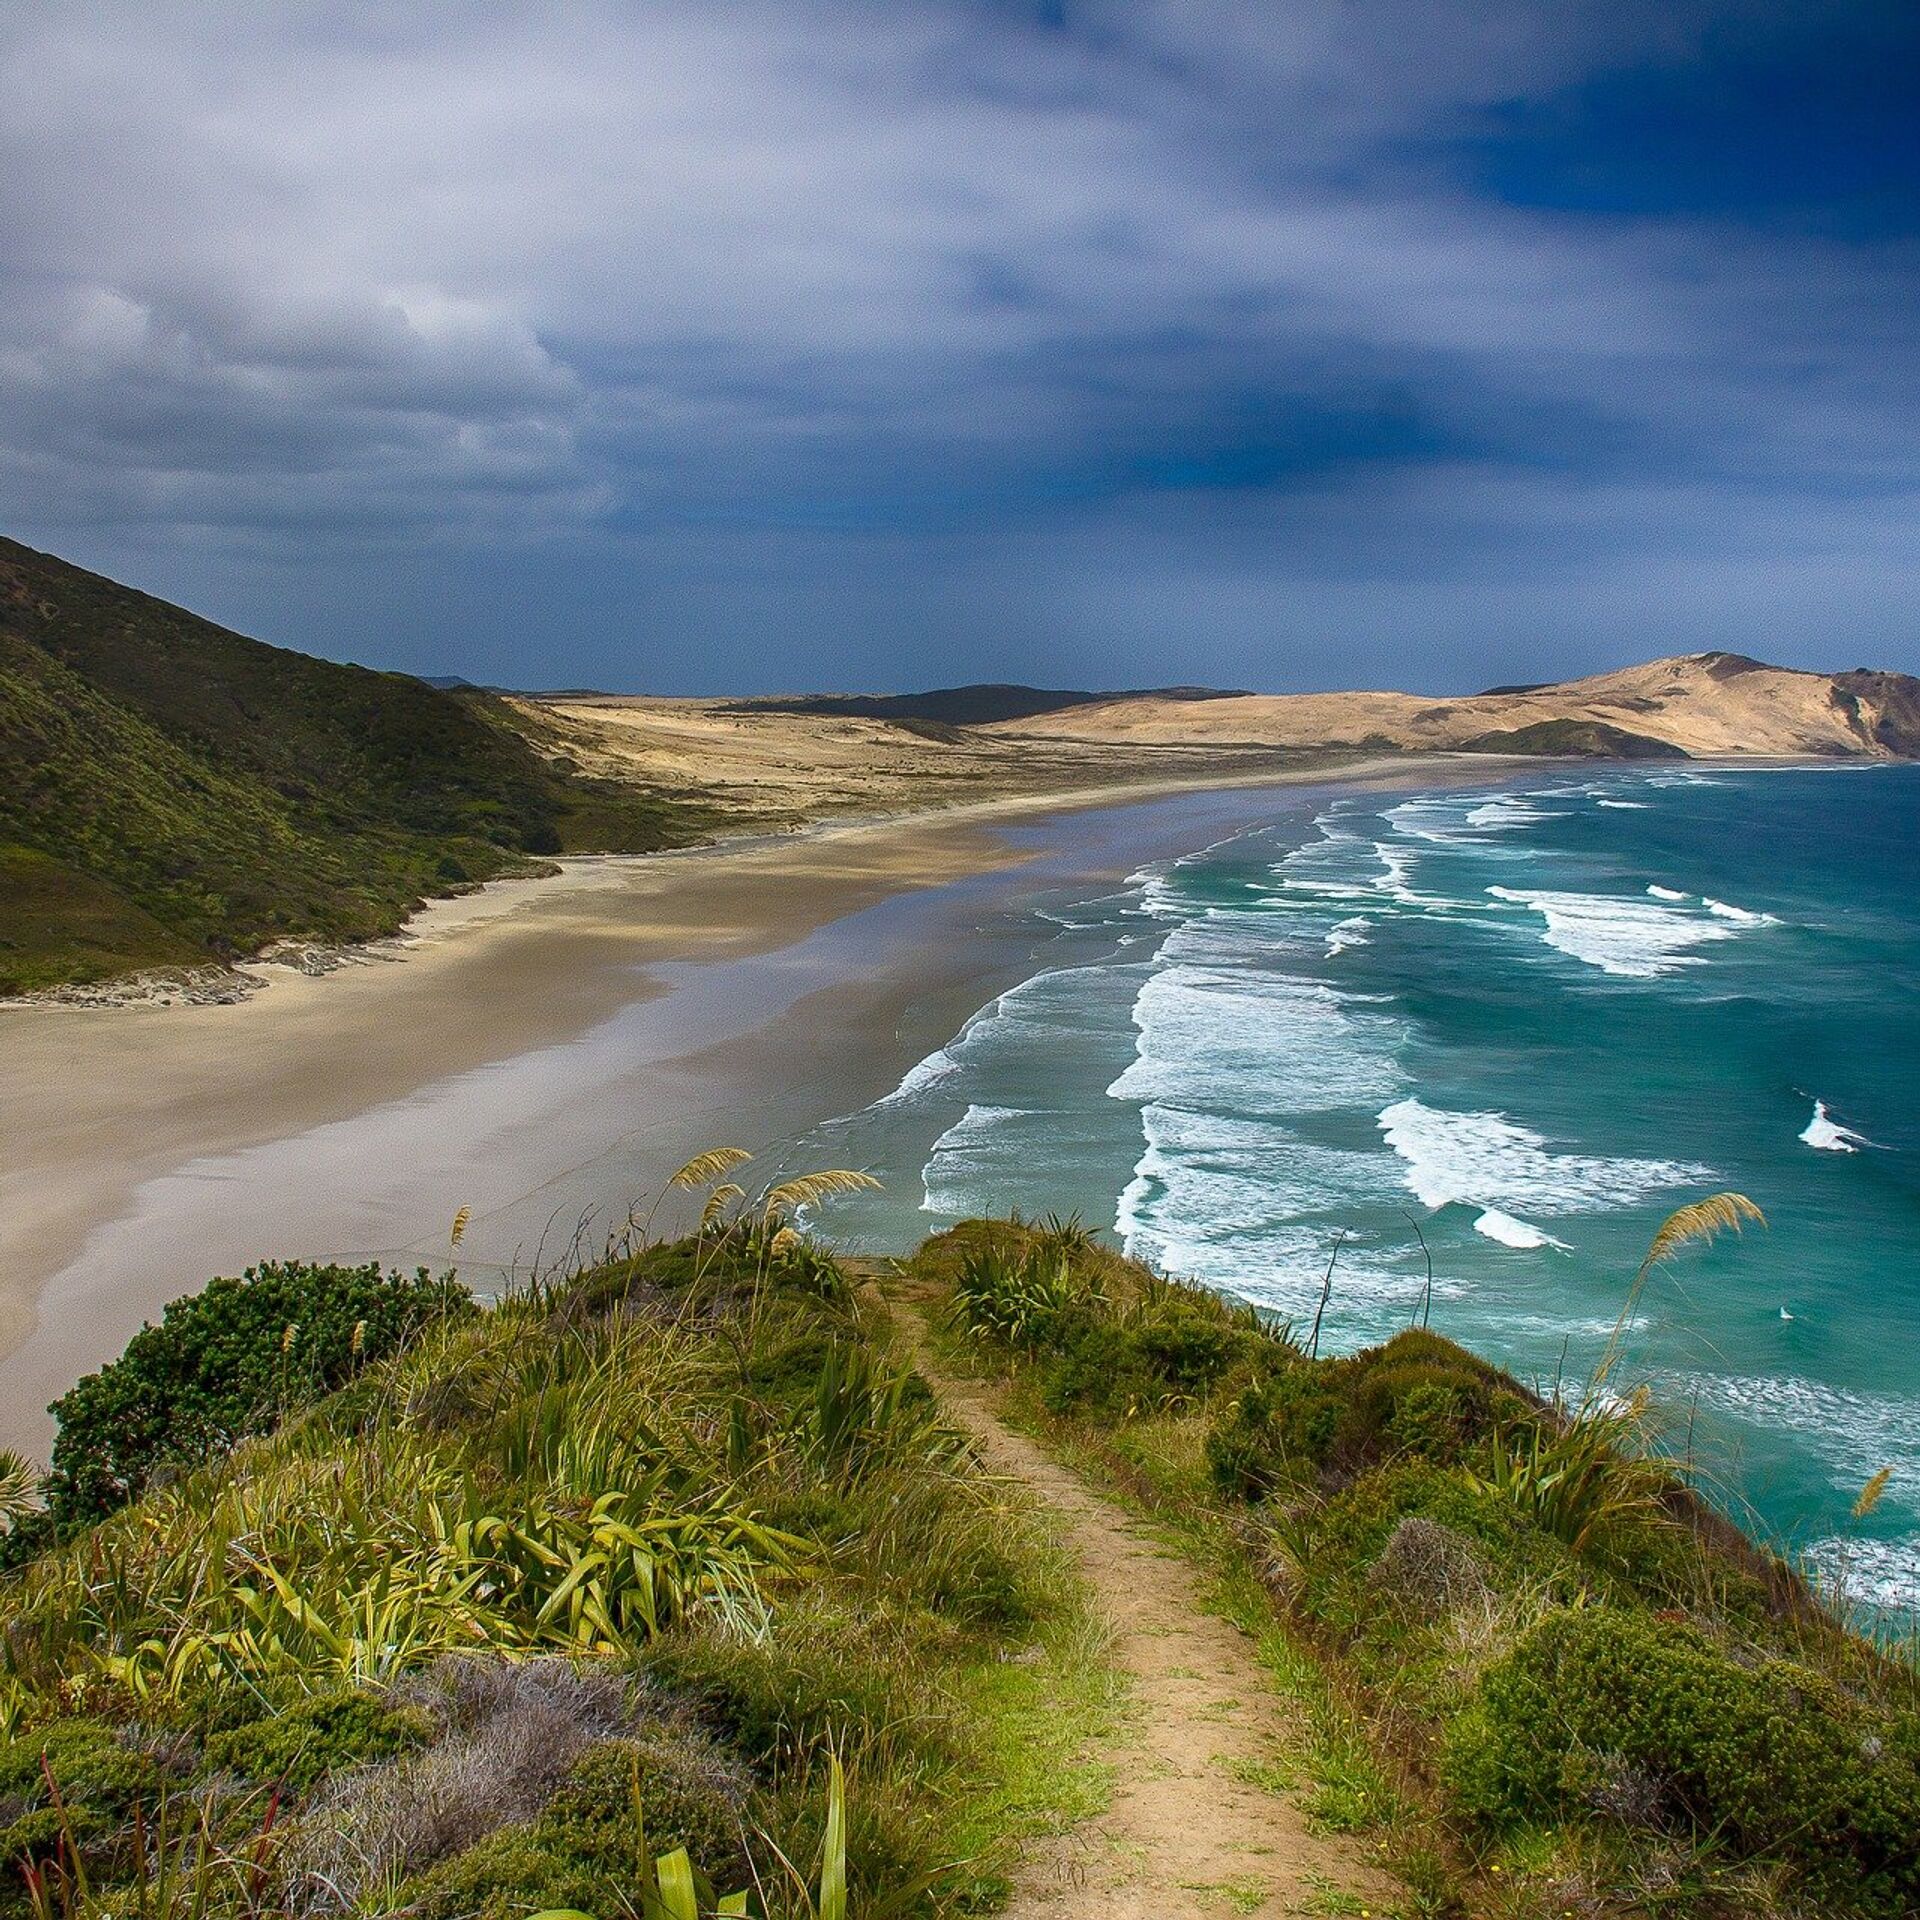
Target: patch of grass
1038 1714
1246 1893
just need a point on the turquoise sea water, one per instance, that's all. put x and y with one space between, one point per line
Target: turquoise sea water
1532 1018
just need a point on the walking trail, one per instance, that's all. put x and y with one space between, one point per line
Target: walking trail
1187 1833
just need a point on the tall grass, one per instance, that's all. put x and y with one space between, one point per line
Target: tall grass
695 1467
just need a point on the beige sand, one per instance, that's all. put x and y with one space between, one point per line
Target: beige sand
1704 704
100 1101
761 764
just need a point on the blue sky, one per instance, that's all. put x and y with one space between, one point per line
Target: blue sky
680 347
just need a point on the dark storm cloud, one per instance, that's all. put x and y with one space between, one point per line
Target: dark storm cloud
673 344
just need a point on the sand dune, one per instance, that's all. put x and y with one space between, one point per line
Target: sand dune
1705 703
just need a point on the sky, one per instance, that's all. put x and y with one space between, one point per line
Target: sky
691 348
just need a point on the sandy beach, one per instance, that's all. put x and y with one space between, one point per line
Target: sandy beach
508 1052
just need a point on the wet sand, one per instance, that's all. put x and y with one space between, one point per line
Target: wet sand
541 1049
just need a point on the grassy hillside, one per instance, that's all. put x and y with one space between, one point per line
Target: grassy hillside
1544 1679
443 1611
635 1562
174 793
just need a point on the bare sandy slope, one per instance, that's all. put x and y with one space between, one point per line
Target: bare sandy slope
1708 703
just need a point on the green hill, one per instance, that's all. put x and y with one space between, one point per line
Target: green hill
172 793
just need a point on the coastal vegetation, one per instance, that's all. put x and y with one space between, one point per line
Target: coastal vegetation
666 1588
177 795
1546 1677
644 1587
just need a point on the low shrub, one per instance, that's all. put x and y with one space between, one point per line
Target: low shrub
99 1777
1346 1534
1426 1568
1278 1428
1767 1757
326 1733
1426 1407
226 1362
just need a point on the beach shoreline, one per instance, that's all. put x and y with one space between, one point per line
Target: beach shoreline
103 1102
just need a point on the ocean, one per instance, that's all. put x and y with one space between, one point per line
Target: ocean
1519 1023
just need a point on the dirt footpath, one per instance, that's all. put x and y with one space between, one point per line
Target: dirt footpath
1187 1833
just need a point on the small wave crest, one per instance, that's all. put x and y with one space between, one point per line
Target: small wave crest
1630 938
1828 1135
1510 1232
1740 916
1488 1161
939 1065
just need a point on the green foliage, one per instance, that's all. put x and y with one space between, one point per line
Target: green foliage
1577 1477
171 792
590 1847
1766 1755
98 1776
317 1736
1039 1291
227 1362
1278 1428
696 1470
1015 1297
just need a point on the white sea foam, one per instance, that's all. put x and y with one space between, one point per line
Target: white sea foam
1510 1232
1348 933
1740 916
939 1065
1853 1433
1274 1043
1626 806
1620 936
1826 1133
1251 1207
1488 1161
1669 893
1883 1573
958 1177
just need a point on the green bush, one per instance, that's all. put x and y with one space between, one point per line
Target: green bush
1173 1345
224 1363
1350 1529
1416 1406
1274 1432
1767 1757
99 1777
319 1736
